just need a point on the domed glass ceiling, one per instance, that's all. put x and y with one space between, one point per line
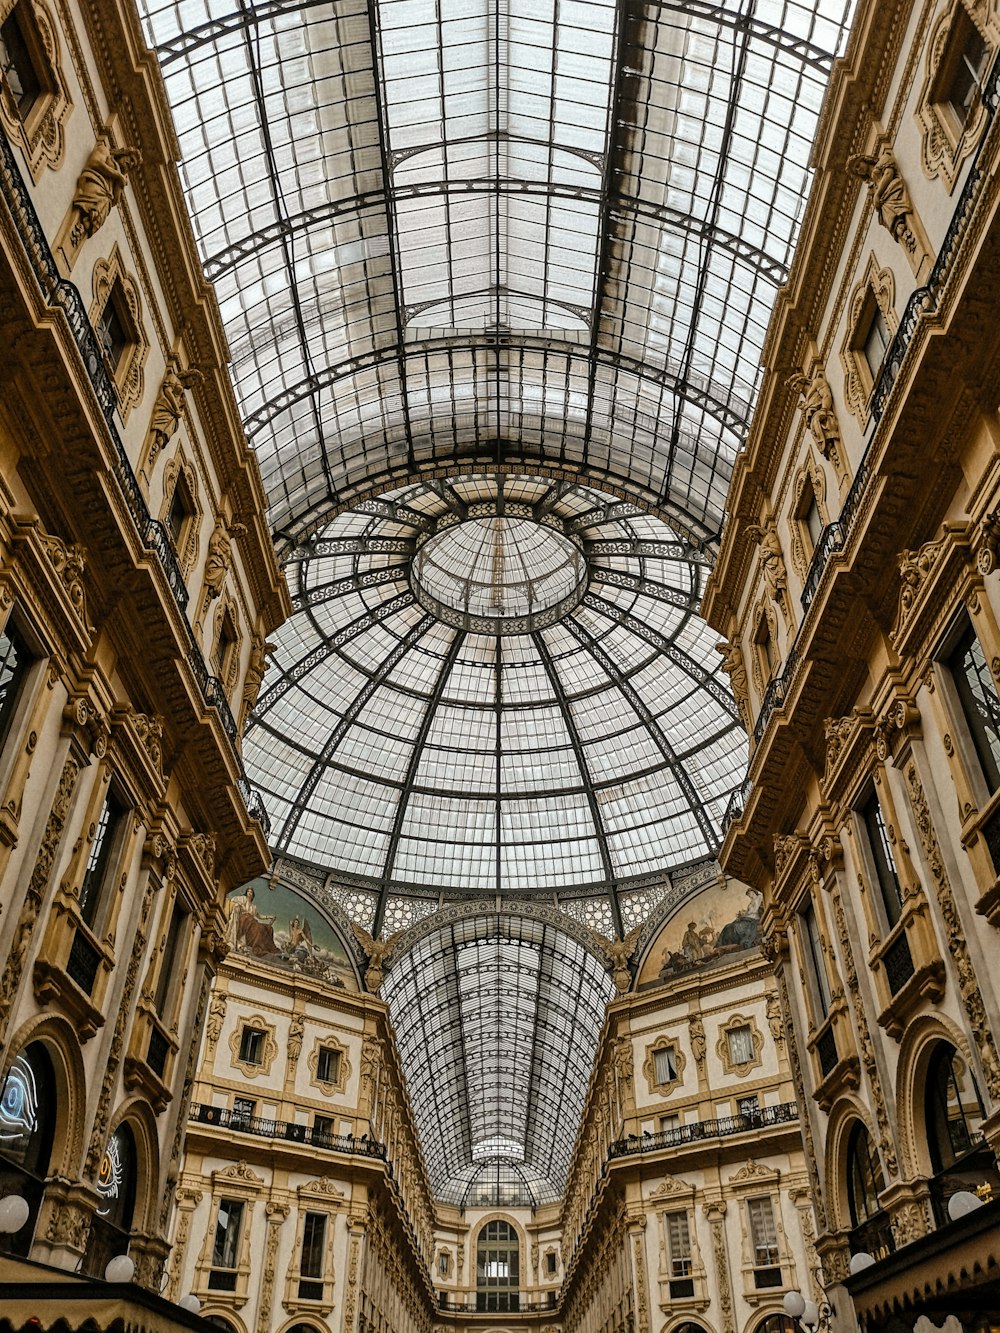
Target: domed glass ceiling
560 723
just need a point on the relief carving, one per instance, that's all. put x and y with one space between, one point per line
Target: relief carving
99 188
167 412
820 415
735 668
887 191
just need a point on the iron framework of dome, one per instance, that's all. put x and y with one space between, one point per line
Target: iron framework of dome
543 713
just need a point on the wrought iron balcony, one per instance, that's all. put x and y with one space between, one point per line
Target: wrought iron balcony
265 1128
752 1121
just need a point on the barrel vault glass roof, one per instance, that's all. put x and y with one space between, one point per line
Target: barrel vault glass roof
456 232
456 241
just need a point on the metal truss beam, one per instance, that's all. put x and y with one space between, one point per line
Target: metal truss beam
708 830
668 648
351 546
654 550
350 716
581 758
356 582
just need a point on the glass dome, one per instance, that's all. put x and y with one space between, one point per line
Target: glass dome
496 684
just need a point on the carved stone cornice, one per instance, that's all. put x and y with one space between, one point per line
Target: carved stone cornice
197 853
848 739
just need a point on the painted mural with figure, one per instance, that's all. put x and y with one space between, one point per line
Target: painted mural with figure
273 924
721 920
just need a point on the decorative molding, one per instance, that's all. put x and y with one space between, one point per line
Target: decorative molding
41 135
944 146
268 1053
742 1068
878 284
649 1065
344 1070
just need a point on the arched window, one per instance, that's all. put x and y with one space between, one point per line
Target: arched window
27 1123
112 1224
954 1109
774 1323
953 1115
871 1232
497 1268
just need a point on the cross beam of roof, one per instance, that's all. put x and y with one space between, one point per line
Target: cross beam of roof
581 759
347 720
356 582
691 793
360 625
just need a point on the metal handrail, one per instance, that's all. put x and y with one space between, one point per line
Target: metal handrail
264 1127
783 1114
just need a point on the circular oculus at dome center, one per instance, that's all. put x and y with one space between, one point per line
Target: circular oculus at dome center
499 575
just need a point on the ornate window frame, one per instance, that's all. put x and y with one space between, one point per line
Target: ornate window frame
944 144
268 1054
110 279
753 1181
649 1065
764 626
877 288
177 469
343 1065
41 133
733 1024
240 1183
812 478
317 1196
227 608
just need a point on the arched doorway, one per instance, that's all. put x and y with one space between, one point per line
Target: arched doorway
871 1232
953 1115
27 1122
110 1230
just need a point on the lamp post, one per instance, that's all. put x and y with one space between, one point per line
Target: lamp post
812 1317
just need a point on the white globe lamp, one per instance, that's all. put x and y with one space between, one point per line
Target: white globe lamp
794 1304
120 1269
13 1214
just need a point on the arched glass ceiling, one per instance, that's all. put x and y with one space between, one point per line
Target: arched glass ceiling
542 232
497 1018
547 714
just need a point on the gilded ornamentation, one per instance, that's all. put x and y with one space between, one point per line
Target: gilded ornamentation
99 188
972 997
376 952
44 861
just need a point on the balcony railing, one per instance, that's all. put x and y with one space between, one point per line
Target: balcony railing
517 1307
59 291
785 1113
265 1128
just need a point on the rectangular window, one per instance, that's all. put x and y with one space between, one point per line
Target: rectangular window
550 1263
740 1041
763 1236
816 960
875 339
678 1244
813 520
664 1065
113 331
669 1123
963 68
311 1266
225 646
101 857
748 1106
252 1046
328 1065
226 1249
181 509
14 663
323 1129
885 863
978 697
172 950
243 1110
20 46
